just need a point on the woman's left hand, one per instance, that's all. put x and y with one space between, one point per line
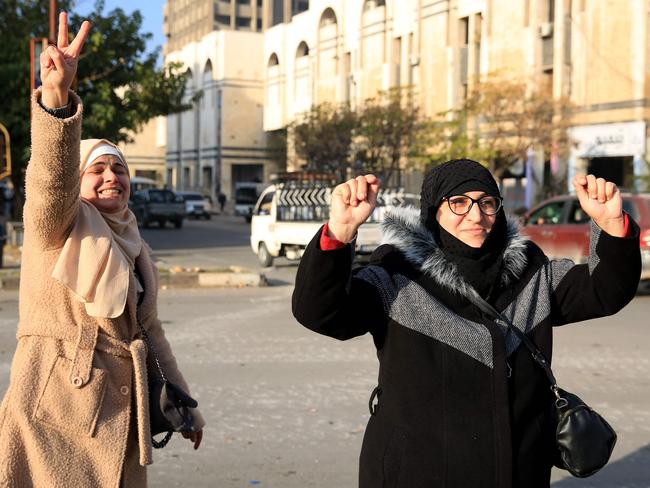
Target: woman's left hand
602 201
195 437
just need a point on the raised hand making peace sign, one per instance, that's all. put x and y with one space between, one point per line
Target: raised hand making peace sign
59 64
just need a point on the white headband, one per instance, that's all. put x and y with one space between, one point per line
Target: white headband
101 150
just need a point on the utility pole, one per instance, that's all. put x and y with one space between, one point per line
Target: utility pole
36 46
52 21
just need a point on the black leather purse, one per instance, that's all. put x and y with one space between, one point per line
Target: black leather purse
584 439
170 408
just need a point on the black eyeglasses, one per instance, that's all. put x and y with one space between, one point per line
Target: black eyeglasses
462 204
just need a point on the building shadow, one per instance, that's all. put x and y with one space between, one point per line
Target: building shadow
631 471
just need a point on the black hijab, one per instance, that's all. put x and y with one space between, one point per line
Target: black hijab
480 267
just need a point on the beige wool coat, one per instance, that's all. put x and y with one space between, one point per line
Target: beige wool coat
75 413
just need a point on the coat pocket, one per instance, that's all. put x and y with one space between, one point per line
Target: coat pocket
62 405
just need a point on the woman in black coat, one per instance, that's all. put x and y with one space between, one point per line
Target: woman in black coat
460 402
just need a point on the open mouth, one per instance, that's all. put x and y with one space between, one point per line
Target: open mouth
110 192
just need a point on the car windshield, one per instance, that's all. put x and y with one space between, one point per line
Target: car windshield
193 196
161 196
245 195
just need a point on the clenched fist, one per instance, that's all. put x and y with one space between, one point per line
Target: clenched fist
602 201
351 205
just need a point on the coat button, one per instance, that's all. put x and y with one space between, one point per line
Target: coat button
124 390
77 381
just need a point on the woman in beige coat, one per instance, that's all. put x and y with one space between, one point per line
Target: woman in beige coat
76 410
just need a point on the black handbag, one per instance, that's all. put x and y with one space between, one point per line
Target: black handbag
170 408
583 438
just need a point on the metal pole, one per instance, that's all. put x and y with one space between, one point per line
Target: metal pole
52 21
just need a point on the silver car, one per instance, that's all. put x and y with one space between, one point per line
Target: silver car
196 204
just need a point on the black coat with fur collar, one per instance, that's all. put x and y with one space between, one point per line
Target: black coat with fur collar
461 403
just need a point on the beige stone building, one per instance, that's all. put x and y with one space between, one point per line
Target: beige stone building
596 52
188 21
220 142
145 154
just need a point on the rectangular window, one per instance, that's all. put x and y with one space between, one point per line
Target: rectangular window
222 19
243 23
463 31
463 58
397 61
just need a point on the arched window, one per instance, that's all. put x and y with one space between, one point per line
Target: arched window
372 4
373 46
327 57
328 18
189 85
303 50
207 99
273 80
301 78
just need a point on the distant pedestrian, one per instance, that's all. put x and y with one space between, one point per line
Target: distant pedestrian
76 411
460 400
222 201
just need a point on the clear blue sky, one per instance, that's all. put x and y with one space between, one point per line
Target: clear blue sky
151 10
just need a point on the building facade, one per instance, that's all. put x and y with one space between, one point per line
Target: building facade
145 153
186 21
595 52
220 140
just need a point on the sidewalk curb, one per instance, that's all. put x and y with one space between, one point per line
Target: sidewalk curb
238 278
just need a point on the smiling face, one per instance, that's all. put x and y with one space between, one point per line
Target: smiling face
106 184
471 228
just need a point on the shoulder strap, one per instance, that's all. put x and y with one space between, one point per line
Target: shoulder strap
538 357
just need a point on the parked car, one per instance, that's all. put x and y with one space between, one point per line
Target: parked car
560 227
157 205
196 204
246 195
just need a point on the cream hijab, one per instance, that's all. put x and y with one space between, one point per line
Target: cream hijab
100 251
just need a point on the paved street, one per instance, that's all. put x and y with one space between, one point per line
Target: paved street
217 243
286 408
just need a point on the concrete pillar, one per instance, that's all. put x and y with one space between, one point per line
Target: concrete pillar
254 15
266 14
286 11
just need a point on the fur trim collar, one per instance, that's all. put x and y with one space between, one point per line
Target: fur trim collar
403 230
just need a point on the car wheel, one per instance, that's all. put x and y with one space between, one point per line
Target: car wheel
178 223
161 223
248 218
208 216
264 256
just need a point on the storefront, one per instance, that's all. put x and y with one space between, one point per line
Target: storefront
615 152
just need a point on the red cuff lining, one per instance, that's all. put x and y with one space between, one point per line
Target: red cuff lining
328 243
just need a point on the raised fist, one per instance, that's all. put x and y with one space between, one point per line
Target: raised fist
351 205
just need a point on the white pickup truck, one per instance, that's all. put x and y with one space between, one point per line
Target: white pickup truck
285 220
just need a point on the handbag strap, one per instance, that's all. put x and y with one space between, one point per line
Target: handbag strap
152 349
145 335
538 357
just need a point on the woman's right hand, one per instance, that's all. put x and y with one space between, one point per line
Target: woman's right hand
351 204
59 64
